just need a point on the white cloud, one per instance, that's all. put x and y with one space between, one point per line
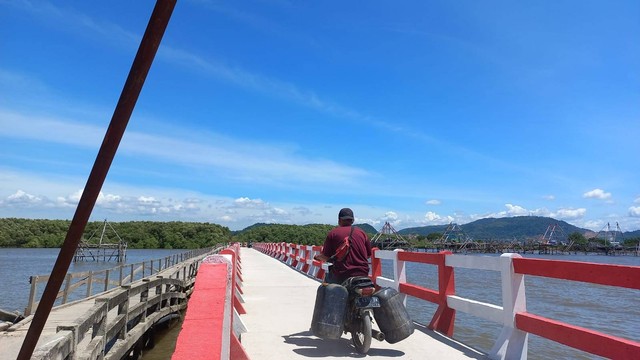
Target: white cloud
549 197
107 199
106 204
597 194
245 202
637 201
235 158
516 210
432 218
49 129
390 216
277 212
302 210
634 211
226 218
433 202
21 198
594 225
568 214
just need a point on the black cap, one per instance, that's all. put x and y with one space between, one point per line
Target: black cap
345 213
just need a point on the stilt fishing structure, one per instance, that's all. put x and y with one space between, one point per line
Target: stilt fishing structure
453 234
89 250
611 238
456 240
554 235
555 240
610 241
388 239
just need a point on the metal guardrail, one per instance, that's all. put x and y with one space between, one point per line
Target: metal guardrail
82 285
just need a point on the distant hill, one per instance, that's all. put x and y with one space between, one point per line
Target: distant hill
508 228
505 229
632 234
423 230
365 227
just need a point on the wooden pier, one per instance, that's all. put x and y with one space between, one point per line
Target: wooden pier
112 324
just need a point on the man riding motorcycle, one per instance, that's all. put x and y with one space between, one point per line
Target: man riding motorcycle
348 248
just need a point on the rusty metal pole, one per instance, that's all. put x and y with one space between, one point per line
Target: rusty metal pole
121 115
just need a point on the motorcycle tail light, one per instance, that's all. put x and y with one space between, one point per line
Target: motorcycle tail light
367 291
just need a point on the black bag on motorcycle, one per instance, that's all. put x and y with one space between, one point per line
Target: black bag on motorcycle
392 317
329 311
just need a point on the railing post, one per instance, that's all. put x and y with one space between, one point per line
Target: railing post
121 270
512 343
320 272
283 252
106 279
144 298
444 318
89 283
306 258
376 265
67 286
237 304
288 253
99 328
123 309
399 274
32 295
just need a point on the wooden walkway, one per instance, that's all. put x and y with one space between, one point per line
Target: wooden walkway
116 319
279 302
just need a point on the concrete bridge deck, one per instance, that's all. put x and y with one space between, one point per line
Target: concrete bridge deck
279 303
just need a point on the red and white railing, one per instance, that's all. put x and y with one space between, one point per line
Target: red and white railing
516 322
299 257
212 325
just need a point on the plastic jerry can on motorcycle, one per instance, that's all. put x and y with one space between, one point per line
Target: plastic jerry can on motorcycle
392 316
329 311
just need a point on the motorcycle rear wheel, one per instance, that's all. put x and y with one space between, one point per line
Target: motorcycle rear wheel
361 334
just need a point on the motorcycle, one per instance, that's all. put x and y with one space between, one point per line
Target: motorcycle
359 316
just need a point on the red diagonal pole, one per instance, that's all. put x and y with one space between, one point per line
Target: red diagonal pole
121 115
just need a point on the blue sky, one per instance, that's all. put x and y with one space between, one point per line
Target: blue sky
416 113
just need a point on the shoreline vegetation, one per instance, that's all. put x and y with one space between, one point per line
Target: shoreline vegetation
42 233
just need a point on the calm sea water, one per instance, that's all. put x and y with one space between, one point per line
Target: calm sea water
17 265
610 310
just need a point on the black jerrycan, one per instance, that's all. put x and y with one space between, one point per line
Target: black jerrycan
329 311
392 316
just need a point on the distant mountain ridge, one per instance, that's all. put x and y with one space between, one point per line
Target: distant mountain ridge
507 228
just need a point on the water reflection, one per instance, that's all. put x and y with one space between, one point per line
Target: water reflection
165 340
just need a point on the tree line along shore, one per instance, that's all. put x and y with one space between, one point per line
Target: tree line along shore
41 233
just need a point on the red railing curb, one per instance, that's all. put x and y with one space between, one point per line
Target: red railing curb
591 341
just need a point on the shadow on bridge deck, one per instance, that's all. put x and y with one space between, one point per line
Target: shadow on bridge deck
279 302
